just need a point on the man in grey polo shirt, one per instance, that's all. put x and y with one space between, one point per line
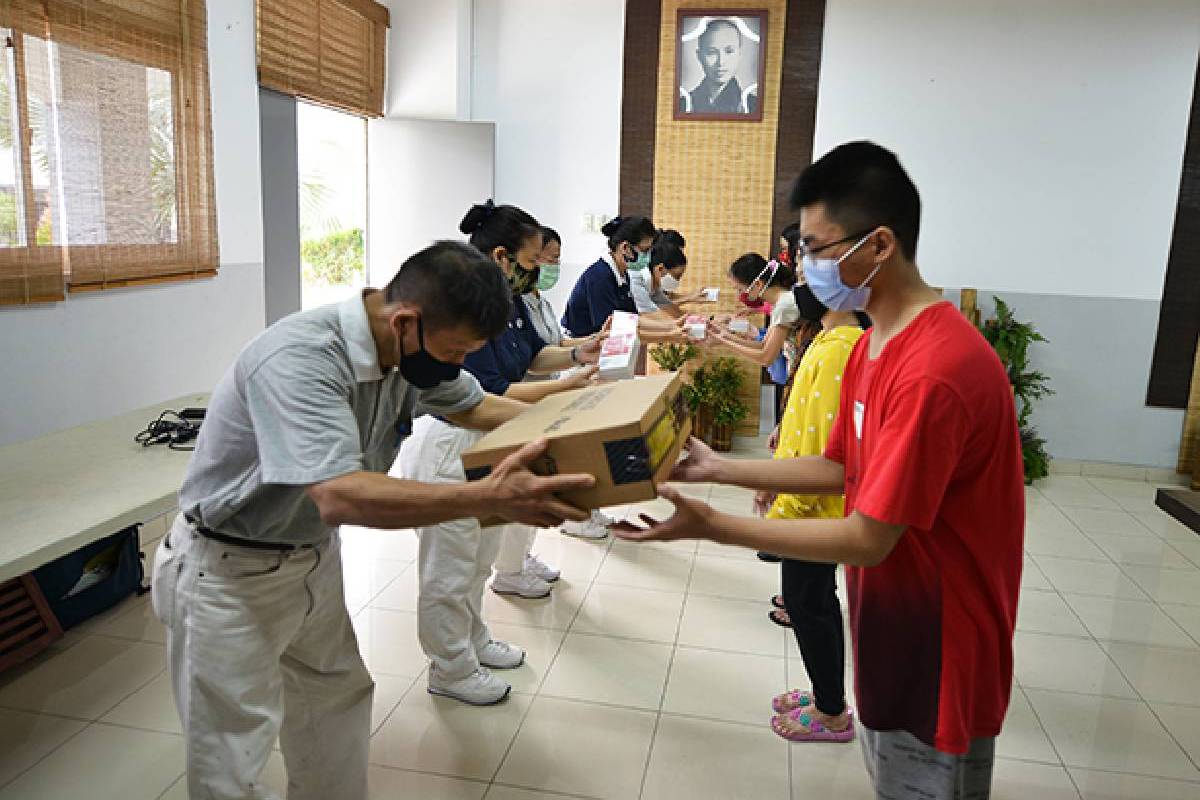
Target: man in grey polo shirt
298 439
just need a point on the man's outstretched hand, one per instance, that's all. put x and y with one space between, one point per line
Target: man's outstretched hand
520 495
692 520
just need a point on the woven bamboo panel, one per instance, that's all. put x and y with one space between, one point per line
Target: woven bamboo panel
715 180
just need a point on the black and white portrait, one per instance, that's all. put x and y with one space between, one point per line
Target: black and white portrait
719 64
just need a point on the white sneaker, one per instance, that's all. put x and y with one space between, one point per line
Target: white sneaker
480 688
523 584
500 655
535 566
588 529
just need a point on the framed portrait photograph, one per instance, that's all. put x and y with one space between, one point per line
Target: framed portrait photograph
719 63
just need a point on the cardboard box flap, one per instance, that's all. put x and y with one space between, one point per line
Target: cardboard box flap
604 406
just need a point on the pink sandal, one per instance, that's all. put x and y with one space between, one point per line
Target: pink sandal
789 702
817 732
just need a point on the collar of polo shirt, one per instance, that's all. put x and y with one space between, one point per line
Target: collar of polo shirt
356 328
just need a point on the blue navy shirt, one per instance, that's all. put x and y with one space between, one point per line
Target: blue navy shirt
597 294
505 359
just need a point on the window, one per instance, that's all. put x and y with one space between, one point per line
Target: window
332 156
104 138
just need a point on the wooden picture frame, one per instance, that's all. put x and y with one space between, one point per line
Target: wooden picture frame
707 86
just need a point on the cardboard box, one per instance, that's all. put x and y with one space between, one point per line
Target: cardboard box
696 327
739 325
619 353
628 434
711 293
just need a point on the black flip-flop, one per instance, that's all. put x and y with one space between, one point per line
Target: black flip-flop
771 615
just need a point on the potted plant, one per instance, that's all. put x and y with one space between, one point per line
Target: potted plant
696 393
672 357
1011 340
723 379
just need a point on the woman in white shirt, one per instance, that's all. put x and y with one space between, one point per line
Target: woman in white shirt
761 285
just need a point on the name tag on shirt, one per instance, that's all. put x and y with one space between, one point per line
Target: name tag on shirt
859 409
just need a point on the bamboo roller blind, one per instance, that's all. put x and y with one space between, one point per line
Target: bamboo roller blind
108 122
328 51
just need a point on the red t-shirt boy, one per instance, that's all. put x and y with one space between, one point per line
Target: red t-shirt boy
925 448
927 433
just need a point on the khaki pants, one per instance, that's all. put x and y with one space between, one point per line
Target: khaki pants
260 647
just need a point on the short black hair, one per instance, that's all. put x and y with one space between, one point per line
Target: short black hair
489 226
550 235
454 283
863 185
749 266
667 253
627 229
671 235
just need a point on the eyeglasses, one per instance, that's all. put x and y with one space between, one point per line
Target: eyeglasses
806 250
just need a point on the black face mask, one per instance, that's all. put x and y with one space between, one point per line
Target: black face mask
423 370
811 309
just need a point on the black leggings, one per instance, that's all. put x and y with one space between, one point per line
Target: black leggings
810 597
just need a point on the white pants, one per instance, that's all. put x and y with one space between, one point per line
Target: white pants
454 559
515 544
259 647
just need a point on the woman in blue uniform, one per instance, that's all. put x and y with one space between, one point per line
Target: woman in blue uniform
605 287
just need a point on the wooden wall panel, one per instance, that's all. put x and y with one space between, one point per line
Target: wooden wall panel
1189 448
639 88
798 108
1175 348
715 180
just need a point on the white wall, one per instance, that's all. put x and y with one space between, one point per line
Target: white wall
406 157
548 73
106 353
428 60
1046 137
1047 140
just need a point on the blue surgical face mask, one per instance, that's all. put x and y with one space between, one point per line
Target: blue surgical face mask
824 277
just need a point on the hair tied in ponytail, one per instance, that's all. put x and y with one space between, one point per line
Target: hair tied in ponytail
477 216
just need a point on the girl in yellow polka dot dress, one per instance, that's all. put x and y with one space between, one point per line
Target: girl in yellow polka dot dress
809 596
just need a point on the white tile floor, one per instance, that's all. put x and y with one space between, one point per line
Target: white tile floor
651 668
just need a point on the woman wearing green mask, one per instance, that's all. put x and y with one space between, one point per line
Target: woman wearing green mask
541 313
603 288
516 554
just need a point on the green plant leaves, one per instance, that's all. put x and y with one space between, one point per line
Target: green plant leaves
672 357
1011 340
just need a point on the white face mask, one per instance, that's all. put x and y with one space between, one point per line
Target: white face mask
669 283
